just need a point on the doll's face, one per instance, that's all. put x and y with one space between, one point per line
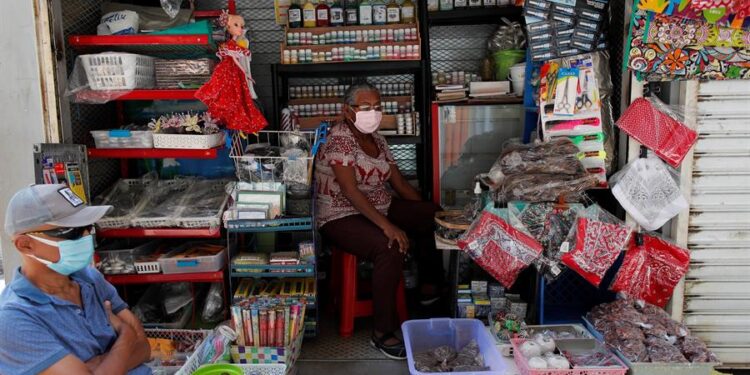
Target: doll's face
236 25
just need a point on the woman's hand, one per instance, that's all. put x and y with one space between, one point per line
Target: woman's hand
395 233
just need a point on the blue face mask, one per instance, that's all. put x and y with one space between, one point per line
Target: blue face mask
75 255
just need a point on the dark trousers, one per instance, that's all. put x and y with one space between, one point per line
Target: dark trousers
359 236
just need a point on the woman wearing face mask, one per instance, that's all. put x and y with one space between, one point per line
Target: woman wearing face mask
357 213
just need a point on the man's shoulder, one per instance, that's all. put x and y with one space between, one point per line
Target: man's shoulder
14 314
89 274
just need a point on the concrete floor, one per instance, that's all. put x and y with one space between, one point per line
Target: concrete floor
357 367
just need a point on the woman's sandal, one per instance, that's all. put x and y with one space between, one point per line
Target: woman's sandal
395 351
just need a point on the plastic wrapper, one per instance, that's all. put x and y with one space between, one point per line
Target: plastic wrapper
203 199
647 189
509 35
660 350
103 77
658 127
696 351
497 247
633 350
124 197
594 243
597 357
213 309
153 18
556 156
164 199
446 359
544 187
651 270
171 7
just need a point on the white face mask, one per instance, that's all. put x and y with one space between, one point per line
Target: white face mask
368 122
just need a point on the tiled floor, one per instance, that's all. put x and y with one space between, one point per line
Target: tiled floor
329 354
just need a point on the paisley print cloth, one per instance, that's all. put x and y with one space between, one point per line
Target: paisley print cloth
651 271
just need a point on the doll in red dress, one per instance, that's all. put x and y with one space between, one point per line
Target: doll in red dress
229 93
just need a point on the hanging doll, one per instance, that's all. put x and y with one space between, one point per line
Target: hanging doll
229 93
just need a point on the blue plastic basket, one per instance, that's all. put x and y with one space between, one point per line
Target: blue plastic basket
427 334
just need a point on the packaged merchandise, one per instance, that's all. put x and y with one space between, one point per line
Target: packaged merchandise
594 243
651 269
643 332
648 190
500 249
658 127
447 359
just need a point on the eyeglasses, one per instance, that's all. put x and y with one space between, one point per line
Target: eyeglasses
367 107
67 233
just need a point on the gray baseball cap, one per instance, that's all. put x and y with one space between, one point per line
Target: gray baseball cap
53 204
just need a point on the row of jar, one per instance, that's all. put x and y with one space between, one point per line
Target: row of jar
334 109
435 5
338 91
352 36
345 54
454 78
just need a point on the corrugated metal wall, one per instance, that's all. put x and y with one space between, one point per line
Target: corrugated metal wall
717 287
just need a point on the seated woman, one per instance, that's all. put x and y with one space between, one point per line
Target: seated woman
357 214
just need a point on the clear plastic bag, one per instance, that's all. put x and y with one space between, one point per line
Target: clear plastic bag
594 243
649 192
100 78
557 156
165 199
508 35
213 309
544 187
651 269
171 7
659 127
204 199
499 248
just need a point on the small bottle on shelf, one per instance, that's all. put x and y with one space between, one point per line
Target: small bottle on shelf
379 12
446 4
393 12
322 14
365 12
294 14
308 14
407 11
337 14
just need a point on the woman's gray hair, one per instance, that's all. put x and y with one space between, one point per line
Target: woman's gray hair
350 97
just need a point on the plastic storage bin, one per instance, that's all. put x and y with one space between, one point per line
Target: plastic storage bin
212 263
427 334
120 138
118 257
118 71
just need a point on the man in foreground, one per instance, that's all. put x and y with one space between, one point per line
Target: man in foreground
59 315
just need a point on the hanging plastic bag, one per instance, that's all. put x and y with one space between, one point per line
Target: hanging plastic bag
658 127
648 191
595 242
171 7
651 269
497 247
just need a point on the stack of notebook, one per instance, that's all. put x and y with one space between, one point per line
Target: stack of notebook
450 93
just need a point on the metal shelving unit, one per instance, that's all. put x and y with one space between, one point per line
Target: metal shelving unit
282 225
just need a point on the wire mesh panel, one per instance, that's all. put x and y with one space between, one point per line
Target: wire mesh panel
406 159
458 47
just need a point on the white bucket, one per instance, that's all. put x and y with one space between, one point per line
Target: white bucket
518 78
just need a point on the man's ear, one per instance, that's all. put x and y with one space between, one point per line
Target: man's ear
24 244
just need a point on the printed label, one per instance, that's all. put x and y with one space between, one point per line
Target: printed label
365 15
323 14
490 3
394 15
475 3
295 15
460 3
379 14
351 16
71 197
407 12
309 14
337 15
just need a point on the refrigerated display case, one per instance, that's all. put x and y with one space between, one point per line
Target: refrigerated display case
466 141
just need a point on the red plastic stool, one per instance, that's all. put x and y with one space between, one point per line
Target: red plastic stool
344 276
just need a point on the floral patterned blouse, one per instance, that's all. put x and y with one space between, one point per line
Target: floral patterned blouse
341 148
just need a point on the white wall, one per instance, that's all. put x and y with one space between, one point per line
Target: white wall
21 123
